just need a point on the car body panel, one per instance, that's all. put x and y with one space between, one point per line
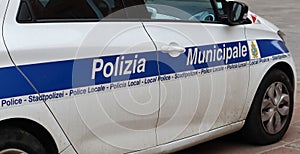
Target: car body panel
69 150
192 140
201 109
42 116
5 60
12 82
236 78
263 29
85 106
94 109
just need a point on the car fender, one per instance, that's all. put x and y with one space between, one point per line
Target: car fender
257 74
38 113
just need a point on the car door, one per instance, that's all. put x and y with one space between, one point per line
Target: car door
238 67
203 66
95 75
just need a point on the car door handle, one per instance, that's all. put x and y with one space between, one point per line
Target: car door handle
173 48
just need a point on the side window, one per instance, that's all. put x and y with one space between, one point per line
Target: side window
221 7
69 10
188 10
136 9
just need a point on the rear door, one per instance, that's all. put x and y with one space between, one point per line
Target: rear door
202 64
96 75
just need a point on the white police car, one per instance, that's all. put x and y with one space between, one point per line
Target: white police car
153 76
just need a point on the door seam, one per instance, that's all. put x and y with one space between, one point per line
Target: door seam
159 83
27 79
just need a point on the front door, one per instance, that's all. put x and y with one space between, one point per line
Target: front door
202 65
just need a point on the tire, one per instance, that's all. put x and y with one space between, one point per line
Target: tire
271 111
15 141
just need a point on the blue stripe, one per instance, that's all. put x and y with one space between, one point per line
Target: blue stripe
271 47
77 73
170 64
69 74
13 83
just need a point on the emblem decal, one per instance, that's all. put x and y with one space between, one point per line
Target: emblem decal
254 50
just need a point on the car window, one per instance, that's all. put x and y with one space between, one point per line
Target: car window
45 10
188 10
221 7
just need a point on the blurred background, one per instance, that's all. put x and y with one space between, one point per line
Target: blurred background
286 15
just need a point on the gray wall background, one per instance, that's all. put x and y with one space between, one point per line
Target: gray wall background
286 15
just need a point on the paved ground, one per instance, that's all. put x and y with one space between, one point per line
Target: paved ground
286 15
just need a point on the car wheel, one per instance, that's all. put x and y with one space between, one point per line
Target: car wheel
17 141
271 110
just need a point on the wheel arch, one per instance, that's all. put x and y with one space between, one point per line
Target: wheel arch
285 66
287 69
34 128
253 123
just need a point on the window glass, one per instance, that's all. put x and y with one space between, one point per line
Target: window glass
74 9
221 6
136 9
44 2
191 10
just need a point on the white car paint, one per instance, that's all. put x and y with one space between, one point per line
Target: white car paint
160 117
212 112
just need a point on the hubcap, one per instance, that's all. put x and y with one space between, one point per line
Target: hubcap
12 151
275 108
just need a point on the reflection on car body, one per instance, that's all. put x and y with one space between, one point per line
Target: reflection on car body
120 76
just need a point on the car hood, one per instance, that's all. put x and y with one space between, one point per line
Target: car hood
256 19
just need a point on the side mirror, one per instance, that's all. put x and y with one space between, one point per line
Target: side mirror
237 12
